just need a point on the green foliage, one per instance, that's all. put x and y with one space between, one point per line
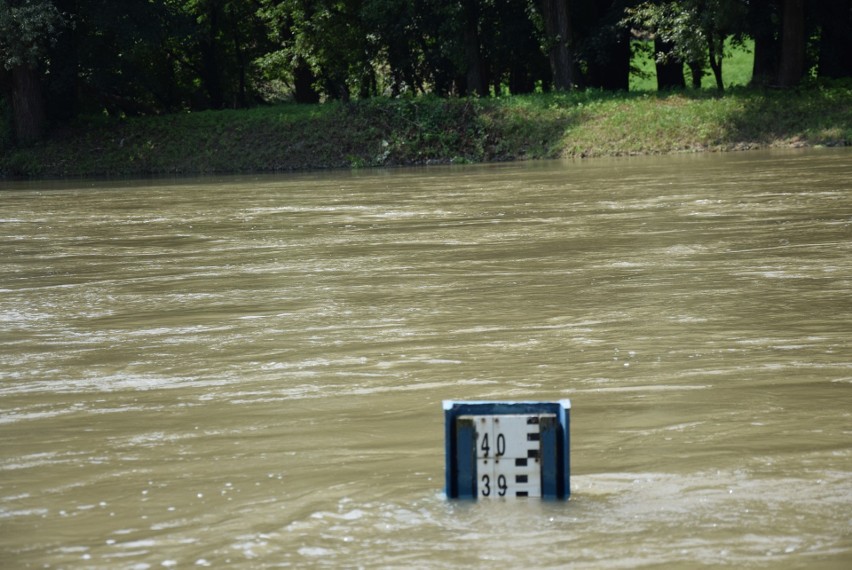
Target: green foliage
27 29
675 23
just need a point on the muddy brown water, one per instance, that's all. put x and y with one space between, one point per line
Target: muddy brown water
248 371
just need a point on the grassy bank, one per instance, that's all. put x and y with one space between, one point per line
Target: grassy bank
386 132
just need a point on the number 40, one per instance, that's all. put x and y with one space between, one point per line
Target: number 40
486 447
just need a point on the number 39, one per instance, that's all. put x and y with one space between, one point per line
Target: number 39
502 486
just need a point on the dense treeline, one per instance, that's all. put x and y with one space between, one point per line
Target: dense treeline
63 58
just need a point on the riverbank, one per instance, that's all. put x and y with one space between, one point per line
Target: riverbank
428 130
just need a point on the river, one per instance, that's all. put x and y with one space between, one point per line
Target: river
248 371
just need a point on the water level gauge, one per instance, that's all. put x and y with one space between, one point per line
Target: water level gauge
507 449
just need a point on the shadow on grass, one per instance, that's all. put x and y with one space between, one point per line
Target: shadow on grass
799 117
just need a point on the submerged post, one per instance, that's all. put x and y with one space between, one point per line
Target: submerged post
507 449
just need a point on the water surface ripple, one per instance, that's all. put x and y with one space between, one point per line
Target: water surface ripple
248 371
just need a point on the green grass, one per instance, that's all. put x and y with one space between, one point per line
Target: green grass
428 130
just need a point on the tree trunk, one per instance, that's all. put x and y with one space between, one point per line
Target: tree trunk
474 78
762 20
792 43
670 72
611 69
558 29
29 116
211 65
696 72
303 83
836 40
60 91
520 79
715 53
607 52
242 63
765 60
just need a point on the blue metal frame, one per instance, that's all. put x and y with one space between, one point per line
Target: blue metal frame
460 445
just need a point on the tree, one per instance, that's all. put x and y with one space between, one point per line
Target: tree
670 67
677 39
696 30
395 27
792 63
603 49
475 82
329 37
835 47
128 58
557 28
513 48
27 29
225 38
762 22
